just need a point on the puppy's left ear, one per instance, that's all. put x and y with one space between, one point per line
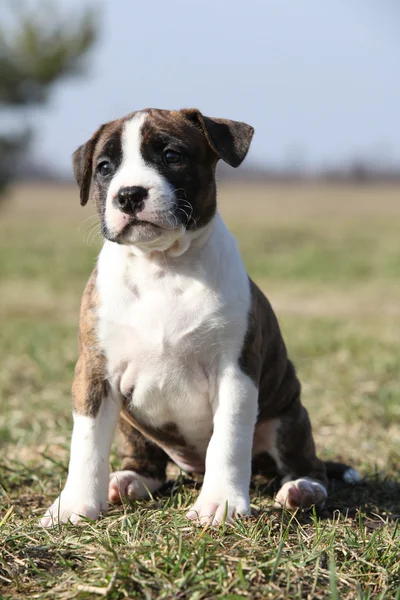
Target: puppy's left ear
82 165
230 140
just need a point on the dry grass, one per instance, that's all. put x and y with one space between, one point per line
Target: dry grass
329 260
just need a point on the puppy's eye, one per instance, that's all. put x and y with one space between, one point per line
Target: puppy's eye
104 168
170 156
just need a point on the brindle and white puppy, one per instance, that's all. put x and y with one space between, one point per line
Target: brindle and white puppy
174 336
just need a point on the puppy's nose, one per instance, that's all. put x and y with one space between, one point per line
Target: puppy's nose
129 199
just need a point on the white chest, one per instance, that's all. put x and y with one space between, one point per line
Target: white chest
163 328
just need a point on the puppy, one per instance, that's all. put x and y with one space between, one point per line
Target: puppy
176 342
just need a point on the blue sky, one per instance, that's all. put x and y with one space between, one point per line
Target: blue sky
318 79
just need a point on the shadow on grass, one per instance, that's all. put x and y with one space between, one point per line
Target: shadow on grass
377 497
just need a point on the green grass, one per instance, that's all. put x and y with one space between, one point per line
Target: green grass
335 284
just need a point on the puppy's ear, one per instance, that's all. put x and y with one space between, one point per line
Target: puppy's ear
82 165
230 140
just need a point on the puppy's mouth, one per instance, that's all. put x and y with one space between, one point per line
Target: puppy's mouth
135 222
144 228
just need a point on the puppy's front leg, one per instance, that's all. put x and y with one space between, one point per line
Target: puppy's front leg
85 492
96 413
228 460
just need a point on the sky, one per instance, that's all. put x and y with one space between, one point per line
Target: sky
318 79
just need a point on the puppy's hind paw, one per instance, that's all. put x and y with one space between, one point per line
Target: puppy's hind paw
131 485
301 493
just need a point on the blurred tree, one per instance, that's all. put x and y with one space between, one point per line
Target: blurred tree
38 47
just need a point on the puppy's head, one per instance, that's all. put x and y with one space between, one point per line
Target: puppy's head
152 173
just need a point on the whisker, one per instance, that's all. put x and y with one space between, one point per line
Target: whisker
93 235
175 217
89 231
87 219
188 205
185 213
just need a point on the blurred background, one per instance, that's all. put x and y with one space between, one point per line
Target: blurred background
319 81
315 207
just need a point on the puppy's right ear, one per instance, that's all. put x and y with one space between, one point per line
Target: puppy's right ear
82 165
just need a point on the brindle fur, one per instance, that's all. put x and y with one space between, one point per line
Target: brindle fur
90 384
264 358
141 446
140 454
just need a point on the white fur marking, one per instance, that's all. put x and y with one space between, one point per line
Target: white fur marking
228 463
85 492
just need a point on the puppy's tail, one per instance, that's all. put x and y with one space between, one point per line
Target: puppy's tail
341 472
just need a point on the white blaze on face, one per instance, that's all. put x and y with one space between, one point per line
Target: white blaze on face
159 204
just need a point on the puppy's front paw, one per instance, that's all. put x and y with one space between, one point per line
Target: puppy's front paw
213 508
301 493
70 507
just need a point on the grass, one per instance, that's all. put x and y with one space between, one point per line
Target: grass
329 260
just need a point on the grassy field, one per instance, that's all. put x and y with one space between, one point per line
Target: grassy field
329 260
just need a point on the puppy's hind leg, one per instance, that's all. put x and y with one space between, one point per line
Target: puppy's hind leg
143 468
290 443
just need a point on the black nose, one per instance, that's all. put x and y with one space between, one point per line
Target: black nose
129 199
